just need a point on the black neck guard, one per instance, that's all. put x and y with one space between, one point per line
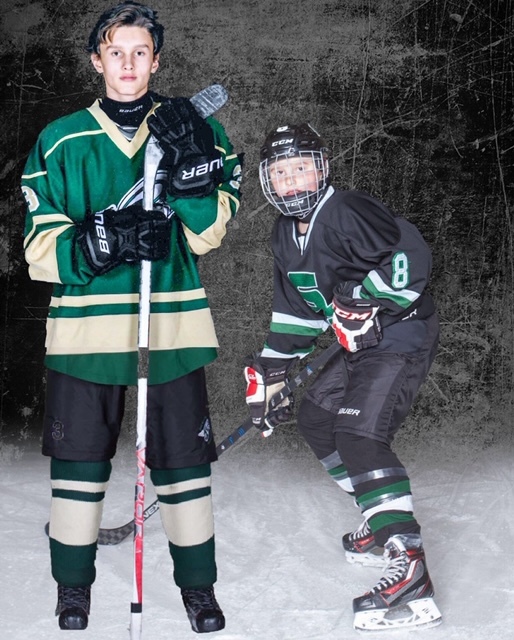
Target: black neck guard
127 113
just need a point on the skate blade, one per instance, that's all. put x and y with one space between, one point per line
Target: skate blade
418 613
366 559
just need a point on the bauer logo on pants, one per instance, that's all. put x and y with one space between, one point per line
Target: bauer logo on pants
349 411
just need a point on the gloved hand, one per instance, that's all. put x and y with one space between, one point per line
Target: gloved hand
262 383
194 165
110 237
355 322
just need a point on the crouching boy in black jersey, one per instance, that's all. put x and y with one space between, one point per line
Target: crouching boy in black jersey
343 259
87 233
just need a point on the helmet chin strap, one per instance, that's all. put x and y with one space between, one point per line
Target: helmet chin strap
303 216
308 216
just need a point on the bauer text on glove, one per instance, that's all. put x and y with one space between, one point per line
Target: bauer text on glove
194 165
110 237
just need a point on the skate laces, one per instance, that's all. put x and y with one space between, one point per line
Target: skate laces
201 598
363 531
74 597
394 572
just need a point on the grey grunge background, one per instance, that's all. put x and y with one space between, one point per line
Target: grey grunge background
415 98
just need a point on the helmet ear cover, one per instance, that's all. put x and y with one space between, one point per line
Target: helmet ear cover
287 142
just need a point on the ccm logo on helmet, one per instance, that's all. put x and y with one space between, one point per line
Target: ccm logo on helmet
283 141
202 169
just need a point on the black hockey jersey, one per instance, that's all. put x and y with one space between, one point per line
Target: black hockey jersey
352 239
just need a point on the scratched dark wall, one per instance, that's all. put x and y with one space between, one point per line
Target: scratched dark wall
416 100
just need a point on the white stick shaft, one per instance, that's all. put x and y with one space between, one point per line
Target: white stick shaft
205 102
153 155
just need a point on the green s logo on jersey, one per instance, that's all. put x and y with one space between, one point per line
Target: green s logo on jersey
307 285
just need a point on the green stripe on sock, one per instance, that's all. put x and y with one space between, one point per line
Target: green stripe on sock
184 496
401 488
382 520
81 496
337 473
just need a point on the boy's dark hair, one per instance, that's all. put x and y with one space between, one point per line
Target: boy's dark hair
125 14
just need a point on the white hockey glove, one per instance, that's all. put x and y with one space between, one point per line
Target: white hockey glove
261 385
355 323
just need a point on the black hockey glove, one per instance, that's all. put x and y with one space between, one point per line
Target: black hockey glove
261 385
355 322
194 165
110 237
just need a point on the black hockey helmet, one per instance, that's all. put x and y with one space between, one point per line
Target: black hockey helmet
282 144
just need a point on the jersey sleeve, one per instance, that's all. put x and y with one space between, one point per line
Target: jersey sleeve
401 274
49 242
392 254
294 327
205 220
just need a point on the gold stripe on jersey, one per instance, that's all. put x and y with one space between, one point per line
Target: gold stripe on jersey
94 334
80 134
37 174
211 238
126 298
41 254
46 219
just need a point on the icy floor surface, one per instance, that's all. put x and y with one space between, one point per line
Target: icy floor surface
282 572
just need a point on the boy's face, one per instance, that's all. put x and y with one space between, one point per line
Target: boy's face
294 175
126 61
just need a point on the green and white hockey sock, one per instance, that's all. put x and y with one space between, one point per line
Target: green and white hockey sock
336 469
78 491
385 499
185 505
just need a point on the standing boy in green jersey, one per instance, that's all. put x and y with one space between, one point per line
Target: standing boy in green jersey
87 232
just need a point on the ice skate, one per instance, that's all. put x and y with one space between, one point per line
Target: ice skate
203 611
403 597
360 547
73 605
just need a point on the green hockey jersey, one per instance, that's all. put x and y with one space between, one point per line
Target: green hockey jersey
83 162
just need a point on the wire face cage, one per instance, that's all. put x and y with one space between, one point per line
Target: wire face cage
294 183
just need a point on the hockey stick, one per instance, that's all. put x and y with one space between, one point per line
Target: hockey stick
118 534
206 103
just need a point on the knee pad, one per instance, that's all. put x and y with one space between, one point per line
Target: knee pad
316 426
78 492
185 503
363 455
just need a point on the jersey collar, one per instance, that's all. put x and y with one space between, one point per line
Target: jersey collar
302 242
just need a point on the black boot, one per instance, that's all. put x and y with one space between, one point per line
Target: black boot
203 611
73 606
